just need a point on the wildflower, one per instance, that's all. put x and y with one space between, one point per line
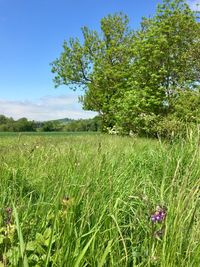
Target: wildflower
77 164
154 259
159 215
67 201
8 211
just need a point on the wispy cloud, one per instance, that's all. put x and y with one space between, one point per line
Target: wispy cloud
46 108
194 4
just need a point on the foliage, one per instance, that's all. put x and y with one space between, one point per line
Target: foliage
88 125
68 125
21 125
137 80
166 70
99 65
99 200
50 126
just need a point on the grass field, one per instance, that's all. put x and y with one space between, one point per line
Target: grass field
97 200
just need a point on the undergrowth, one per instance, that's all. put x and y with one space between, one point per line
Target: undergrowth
70 201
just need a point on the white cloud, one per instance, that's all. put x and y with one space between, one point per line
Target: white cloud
194 4
45 108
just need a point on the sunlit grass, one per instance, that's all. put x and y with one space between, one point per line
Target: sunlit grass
87 201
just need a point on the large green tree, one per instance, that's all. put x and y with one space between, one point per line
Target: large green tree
135 79
166 66
99 65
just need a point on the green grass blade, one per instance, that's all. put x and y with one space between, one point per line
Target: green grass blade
82 253
105 254
21 240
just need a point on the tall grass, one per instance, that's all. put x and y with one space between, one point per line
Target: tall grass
87 201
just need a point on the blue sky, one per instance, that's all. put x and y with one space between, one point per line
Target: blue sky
32 33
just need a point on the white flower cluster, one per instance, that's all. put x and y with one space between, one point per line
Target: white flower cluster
113 130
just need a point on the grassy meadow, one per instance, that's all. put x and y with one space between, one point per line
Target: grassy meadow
88 200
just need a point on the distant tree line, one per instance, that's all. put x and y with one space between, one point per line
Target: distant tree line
86 125
68 125
21 125
145 81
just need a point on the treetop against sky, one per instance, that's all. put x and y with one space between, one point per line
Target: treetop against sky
32 33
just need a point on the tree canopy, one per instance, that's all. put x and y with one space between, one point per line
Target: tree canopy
138 80
20 125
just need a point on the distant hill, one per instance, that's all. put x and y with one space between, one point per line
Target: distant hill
65 124
63 121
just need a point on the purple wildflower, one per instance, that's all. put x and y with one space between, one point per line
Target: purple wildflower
159 215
